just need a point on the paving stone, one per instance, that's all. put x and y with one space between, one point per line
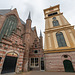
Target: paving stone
42 73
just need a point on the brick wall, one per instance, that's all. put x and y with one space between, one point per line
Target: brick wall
54 61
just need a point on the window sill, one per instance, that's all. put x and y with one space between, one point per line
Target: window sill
34 66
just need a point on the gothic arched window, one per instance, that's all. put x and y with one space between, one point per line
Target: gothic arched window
55 22
8 26
60 39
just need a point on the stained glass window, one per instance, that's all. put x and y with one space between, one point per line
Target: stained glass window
8 26
60 39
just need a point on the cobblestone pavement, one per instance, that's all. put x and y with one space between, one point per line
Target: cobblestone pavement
42 73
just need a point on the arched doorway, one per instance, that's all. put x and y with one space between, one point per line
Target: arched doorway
68 66
9 63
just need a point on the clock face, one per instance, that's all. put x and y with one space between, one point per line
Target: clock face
54 18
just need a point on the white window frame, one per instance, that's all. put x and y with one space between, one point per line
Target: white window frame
34 62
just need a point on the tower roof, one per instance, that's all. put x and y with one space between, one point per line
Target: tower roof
29 16
52 7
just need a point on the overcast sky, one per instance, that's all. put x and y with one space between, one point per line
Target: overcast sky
36 7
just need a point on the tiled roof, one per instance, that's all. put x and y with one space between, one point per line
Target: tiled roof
5 11
22 21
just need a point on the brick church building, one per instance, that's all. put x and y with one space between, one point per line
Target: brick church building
20 47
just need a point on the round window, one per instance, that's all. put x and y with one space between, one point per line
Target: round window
65 56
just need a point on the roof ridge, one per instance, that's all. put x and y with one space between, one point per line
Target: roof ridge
5 9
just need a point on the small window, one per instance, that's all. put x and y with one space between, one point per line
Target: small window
52 14
35 51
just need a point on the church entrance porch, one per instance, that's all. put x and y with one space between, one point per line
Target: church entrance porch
68 66
9 64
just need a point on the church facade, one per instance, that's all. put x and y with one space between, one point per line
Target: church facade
20 47
59 47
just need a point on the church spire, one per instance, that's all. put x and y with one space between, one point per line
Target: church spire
40 33
29 16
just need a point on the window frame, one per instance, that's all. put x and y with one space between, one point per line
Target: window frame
61 40
11 20
55 22
34 62
55 13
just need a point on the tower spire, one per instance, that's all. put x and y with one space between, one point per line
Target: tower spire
29 16
40 33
